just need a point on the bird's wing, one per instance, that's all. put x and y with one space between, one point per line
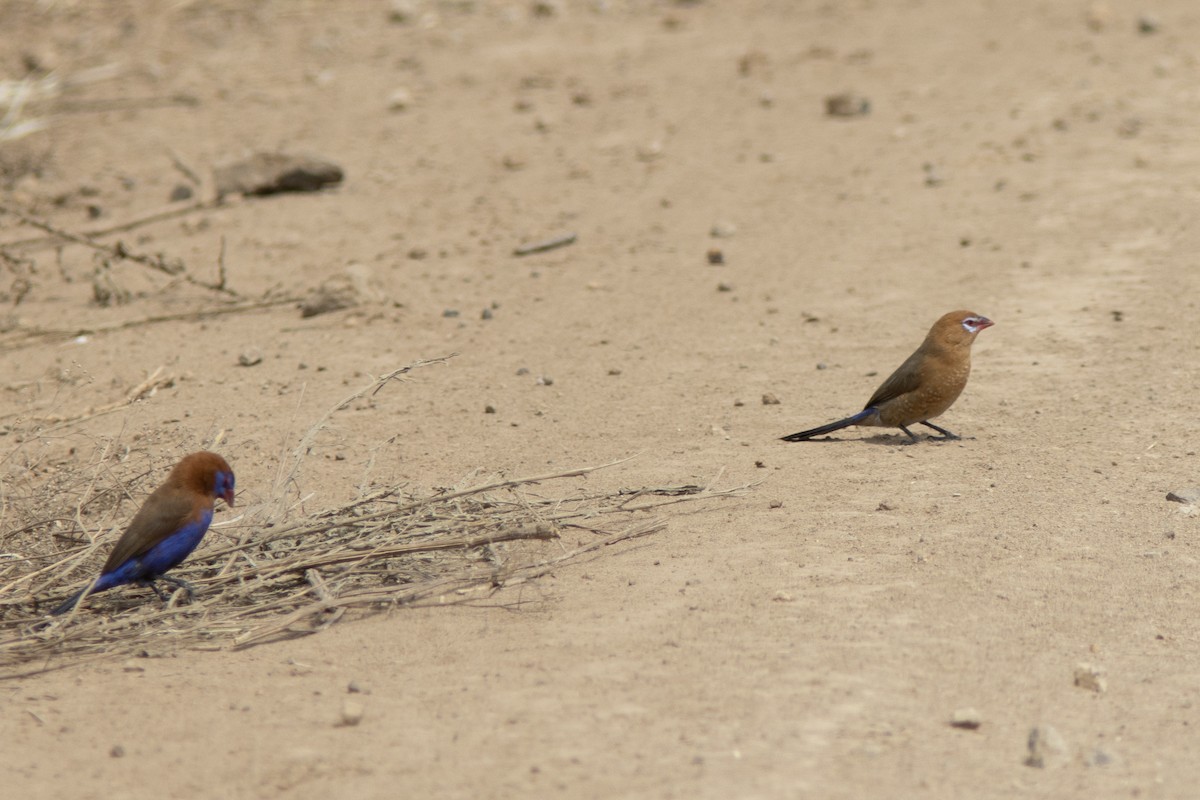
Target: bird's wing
163 513
905 379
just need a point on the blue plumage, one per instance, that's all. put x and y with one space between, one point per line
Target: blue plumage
167 554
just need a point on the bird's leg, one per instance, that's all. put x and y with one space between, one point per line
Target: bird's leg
157 591
945 434
912 436
182 584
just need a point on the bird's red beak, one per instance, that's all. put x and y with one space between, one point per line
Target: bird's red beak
228 497
984 322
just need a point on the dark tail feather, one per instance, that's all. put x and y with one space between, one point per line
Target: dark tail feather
69 603
830 428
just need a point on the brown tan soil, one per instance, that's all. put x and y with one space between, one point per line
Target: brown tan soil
811 638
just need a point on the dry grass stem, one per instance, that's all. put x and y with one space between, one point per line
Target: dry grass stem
28 337
158 379
119 251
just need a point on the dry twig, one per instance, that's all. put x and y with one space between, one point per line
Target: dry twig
159 263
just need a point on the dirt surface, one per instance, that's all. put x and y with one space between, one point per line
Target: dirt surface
1035 162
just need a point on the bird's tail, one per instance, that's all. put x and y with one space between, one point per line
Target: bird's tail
831 427
69 603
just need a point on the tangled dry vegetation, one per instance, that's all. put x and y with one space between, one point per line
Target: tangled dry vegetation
267 576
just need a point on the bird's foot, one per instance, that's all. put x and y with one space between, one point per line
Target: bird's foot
154 587
182 584
177 582
946 436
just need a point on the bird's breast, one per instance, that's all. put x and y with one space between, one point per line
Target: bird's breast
940 386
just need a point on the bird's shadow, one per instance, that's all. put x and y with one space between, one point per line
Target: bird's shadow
892 440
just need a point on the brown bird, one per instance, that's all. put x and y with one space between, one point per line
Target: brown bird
924 386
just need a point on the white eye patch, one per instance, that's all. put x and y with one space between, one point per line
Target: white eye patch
975 324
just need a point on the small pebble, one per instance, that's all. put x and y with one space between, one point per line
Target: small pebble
352 713
546 8
402 12
489 409
250 357
354 687
769 399
117 751
723 230
1147 24
724 287
847 104
966 718
1045 744
450 313
181 192
715 257
932 176
1090 677
545 380
400 100
485 314
1098 16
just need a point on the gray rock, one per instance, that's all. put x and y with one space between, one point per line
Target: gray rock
249 357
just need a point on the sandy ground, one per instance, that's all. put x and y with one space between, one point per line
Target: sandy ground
1035 162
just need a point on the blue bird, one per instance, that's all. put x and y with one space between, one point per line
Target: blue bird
167 528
